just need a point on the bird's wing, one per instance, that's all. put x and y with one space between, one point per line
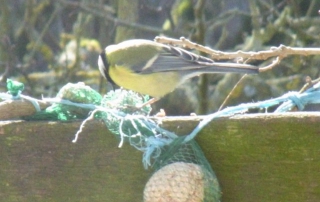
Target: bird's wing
173 59
177 59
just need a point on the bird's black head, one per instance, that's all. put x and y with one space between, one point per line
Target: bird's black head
104 67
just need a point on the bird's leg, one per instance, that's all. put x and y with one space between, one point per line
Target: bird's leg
149 102
139 107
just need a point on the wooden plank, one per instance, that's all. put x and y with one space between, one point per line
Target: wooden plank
39 162
265 157
260 157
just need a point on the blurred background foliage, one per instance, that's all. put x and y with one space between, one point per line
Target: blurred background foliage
48 43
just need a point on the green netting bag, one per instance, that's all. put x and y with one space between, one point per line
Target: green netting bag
14 87
182 174
77 93
126 122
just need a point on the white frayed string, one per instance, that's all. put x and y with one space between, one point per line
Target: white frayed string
91 117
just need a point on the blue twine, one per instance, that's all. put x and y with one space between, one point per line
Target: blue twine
288 100
19 96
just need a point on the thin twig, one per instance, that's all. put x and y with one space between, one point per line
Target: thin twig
282 51
268 67
309 84
231 92
274 52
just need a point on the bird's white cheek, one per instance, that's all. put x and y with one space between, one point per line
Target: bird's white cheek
100 64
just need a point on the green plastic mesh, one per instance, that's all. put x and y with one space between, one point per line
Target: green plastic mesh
123 125
77 93
14 87
125 101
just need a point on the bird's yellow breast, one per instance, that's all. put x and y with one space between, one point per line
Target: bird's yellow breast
154 84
